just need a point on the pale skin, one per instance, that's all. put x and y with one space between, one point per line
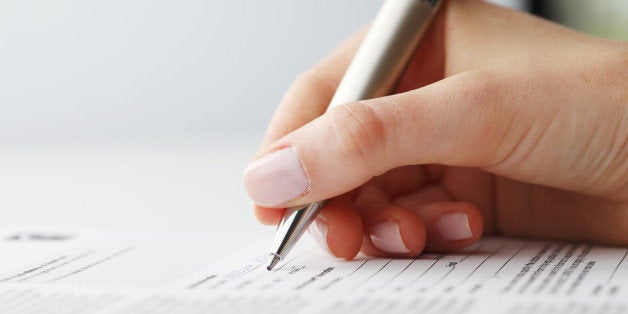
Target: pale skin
504 123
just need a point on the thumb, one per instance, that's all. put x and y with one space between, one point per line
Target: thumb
472 119
449 122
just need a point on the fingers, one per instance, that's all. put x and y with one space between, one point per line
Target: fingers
268 216
450 225
425 219
311 92
338 228
391 230
434 222
395 231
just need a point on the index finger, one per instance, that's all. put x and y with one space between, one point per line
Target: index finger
311 92
307 99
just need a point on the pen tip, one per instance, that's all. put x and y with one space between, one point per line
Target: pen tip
272 261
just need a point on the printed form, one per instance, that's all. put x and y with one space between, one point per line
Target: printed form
56 272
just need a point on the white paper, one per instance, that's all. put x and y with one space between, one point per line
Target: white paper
99 273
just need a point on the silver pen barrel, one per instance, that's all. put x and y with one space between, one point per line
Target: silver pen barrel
386 50
374 72
294 223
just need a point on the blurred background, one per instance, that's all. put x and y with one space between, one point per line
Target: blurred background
137 114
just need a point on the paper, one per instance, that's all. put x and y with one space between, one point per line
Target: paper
87 273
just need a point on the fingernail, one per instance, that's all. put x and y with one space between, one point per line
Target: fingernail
318 231
454 227
386 237
276 178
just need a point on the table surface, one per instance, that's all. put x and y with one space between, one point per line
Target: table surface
165 185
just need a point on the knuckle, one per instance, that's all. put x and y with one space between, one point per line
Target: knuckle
360 132
479 99
477 90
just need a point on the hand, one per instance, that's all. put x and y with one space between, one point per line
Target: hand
522 131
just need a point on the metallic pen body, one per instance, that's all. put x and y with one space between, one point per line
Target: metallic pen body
374 72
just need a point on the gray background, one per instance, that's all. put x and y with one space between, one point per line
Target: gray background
76 70
84 70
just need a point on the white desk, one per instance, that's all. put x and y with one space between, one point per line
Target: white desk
178 185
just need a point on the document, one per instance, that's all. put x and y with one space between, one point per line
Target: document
73 272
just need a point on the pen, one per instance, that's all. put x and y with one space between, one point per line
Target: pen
374 72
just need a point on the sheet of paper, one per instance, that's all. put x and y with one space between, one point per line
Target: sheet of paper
52 272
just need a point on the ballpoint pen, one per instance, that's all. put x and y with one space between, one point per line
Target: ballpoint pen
374 71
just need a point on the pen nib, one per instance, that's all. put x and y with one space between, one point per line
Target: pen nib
272 261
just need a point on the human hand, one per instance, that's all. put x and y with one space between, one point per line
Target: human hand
522 131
